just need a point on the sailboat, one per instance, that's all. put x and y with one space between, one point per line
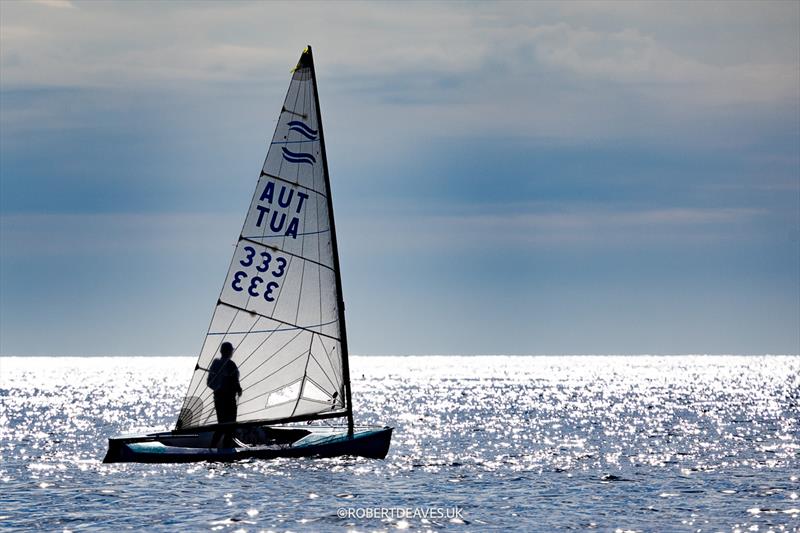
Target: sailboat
278 330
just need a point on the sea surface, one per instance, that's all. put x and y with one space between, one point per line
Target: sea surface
495 443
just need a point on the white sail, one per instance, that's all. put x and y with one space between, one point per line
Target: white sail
279 305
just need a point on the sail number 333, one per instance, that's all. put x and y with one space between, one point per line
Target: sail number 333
264 264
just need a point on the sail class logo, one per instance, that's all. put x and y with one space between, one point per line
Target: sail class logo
298 157
303 129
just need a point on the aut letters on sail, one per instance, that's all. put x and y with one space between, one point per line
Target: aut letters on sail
277 204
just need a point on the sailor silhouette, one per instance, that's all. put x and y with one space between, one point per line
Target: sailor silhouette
223 379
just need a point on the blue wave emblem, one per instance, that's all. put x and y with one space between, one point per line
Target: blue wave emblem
298 157
303 129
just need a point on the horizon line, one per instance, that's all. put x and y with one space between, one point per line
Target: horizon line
719 354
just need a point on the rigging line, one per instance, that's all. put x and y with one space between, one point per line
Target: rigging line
336 372
268 359
304 107
305 213
195 385
302 272
213 316
207 393
303 250
238 309
318 177
309 110
275 372
271 391
295 142
301 169
287 402
208 409
332 366
304 328
283 244
292 328
267 392
305 374
280 290
298 84
332 402
308 98
267 376
264 422
257 348
244 378
324 373
294 83
284 110
290 182
276 249
288 268
319 255
273 406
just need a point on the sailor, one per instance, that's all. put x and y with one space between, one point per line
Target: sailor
223 379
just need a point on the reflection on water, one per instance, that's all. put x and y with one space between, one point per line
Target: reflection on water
533 443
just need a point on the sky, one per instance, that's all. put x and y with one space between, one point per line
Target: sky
508 177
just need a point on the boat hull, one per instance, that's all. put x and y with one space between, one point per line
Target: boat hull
179 447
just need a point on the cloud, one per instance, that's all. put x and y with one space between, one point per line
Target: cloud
103 44
629 57
459 135
62 4
536 70
83 236
583 228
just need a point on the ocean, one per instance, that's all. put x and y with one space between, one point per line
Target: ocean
482 443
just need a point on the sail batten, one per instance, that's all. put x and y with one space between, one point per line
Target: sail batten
289 325
287 253
264 174
280 305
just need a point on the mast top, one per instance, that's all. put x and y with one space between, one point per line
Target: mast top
305 59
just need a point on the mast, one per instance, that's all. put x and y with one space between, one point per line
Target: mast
335 247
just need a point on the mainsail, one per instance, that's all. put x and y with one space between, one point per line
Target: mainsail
281 303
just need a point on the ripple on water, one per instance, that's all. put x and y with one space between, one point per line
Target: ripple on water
536 443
